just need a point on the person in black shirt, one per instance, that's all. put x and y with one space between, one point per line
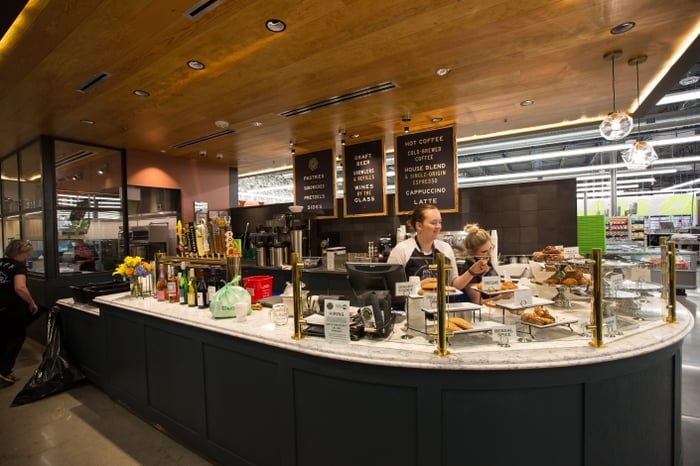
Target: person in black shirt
478 262
16 305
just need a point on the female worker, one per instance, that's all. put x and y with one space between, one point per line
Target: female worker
16 305
478 245
419 252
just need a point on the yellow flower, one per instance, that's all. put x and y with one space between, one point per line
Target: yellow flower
133 265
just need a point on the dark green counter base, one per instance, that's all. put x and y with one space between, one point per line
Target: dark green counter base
244 403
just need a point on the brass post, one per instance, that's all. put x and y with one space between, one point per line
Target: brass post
597 299
441 312
671 302
664 268
296 290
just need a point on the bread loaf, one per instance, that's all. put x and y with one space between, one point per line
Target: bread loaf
461 323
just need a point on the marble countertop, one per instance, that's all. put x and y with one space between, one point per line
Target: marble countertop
560 346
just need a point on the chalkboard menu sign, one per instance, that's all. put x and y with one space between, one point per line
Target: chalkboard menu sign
314 183
426 170
364 179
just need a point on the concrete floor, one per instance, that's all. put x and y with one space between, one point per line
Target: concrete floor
83 426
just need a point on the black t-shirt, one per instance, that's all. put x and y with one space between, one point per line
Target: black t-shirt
9 268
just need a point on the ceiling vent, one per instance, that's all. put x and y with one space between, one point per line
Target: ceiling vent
382 87
74 157
208 137
201 8
94 81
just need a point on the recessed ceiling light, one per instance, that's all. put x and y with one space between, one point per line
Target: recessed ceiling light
623 27
436 119
442 71
88 122
196 65
526 103
141 93
223 124
355 135
275 25
257 124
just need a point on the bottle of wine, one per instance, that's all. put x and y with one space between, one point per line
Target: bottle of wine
161 284
173 286
182 282
212 285
191 289
202 290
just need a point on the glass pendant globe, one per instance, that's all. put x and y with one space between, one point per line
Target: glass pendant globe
639 156
616 126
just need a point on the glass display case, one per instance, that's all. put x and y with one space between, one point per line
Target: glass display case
84 182
686 264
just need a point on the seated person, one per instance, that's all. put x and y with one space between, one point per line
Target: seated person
478 245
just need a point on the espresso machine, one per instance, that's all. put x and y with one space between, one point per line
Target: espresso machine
384 247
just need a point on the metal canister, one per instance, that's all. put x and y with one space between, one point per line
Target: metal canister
260 254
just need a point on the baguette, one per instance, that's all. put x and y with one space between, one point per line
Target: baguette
461 323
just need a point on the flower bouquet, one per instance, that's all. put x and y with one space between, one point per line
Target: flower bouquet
132 270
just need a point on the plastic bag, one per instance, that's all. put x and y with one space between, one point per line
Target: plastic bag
230 299
56 371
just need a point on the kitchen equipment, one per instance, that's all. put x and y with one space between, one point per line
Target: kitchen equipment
260 254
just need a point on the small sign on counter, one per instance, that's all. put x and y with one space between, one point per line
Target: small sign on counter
337 321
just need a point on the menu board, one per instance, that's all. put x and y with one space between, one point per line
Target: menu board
314 183
364 179
426 170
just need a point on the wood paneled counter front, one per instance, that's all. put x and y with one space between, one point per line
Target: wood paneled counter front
247 393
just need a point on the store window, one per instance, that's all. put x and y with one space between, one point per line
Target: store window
88 207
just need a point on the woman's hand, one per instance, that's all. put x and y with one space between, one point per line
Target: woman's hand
480 267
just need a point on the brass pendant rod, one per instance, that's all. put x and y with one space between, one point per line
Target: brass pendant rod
441 312
671 303
296 291
596 324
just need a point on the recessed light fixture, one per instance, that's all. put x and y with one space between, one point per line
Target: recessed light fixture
196 65
405 129
88 122
526 103
141 93
442 71
275 25
355 135
436 119
223 124
257 124
623 27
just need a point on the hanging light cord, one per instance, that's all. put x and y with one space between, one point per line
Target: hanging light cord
639 131
612 64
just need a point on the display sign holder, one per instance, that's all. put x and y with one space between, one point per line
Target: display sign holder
314 183
426 170
364 179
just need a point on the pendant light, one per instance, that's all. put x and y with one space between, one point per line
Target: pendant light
642 153
616 125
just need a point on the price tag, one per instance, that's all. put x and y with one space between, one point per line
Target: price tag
503 334
571 252
404 288
491 283
521 298
337 321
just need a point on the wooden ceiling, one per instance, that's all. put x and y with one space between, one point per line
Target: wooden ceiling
499 52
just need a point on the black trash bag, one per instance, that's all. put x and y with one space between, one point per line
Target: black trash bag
56 372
